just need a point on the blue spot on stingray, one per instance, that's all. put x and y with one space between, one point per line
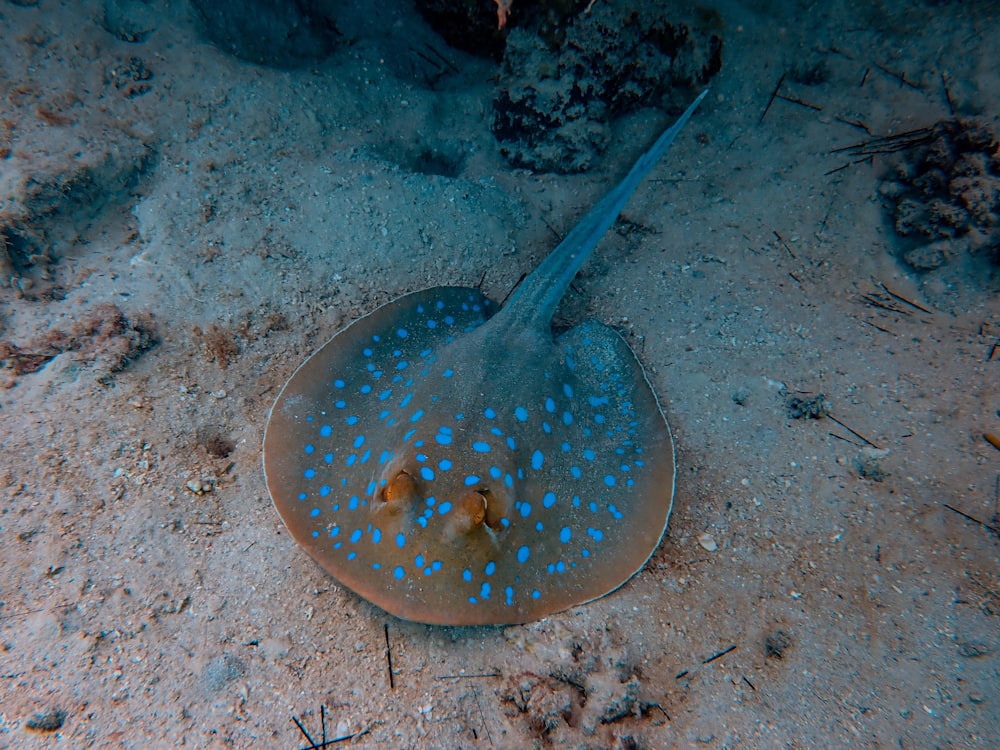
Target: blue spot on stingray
448 373
431 500
522 554
367 352
436 565
537 459
352 420
459 416
444 507
422 521
334 531
351 459
309 473
549 500
419 561
585 553
384 394
421 457
356 536
449 320
550 405
489 413
536 594
325 490
568 390
402 365
352 555
521 413
595 401
408 435
491 568
439 305
575 471
467 575
376 536
539 526
339 383
565 534
592 506
511 443
481 447
432 324
359 441
509 594
445 464
595 534
546 428
589 454
366 389
401 540
495 472
443 439
310 448
402 333
314 512
565 447
609 480
484 591
426 474
406 401
399 573
471 480
353 503
508 480
326 430
576 501
567 418
525 509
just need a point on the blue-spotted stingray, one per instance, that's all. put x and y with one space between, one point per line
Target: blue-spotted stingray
456 464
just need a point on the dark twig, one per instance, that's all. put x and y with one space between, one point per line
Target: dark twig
901 298
752 686
901 77
388 658
800 102
854 432
720 654
947 93
482 716
985 525
784 244
770 101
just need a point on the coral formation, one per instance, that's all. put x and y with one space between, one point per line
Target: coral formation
559 87
944 201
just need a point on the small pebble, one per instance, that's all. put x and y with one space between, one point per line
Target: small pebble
705 540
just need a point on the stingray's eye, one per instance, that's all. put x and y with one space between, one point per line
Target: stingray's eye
400 492
474 505
468 515
496 509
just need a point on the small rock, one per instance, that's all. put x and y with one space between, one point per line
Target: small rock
49 721
705 540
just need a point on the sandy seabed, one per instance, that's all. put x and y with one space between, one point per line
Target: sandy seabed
197 225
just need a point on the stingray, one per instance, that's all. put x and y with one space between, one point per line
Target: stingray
459 464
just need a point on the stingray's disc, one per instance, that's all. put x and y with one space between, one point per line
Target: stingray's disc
385 445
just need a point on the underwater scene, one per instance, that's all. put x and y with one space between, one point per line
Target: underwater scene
499 374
